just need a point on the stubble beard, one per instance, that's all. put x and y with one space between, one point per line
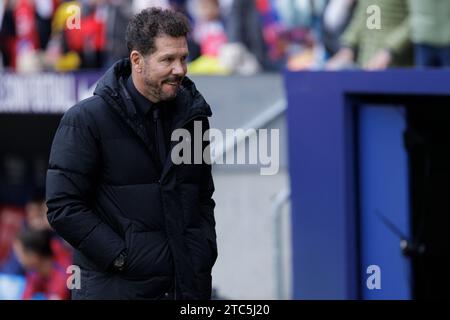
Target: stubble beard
155 90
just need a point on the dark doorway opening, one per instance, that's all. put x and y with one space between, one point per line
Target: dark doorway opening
427 140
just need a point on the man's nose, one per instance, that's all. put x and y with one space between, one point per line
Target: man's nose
179 69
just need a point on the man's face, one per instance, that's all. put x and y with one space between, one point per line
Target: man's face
164 69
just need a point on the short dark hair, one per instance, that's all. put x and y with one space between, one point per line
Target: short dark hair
36 241
150 23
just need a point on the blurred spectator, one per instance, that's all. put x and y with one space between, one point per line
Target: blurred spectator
244 27
27 36
91 37
2 11
336 17
209 34
139 5
35 218
243 53
180 6
303 21
118 14
430 24
45 277
79 46
301 13
7 34
376 48
188 8
209 31
59 56
44 14
11 220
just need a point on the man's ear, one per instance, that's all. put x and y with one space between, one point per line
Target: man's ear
137 61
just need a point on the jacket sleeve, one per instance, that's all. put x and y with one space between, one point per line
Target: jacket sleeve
207 203
71 186
398 41
352 34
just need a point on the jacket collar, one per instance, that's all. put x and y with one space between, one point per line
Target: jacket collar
142 104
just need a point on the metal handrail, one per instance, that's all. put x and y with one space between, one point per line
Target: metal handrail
277 203
258 122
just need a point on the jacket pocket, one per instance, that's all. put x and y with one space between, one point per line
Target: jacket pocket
148 254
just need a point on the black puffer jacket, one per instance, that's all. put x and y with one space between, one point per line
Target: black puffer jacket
105 193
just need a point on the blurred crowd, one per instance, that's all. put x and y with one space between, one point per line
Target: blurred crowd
233 36
228 36
31 249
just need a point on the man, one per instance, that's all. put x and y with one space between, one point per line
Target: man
36 220
376 47
142 227
45 276
430 32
